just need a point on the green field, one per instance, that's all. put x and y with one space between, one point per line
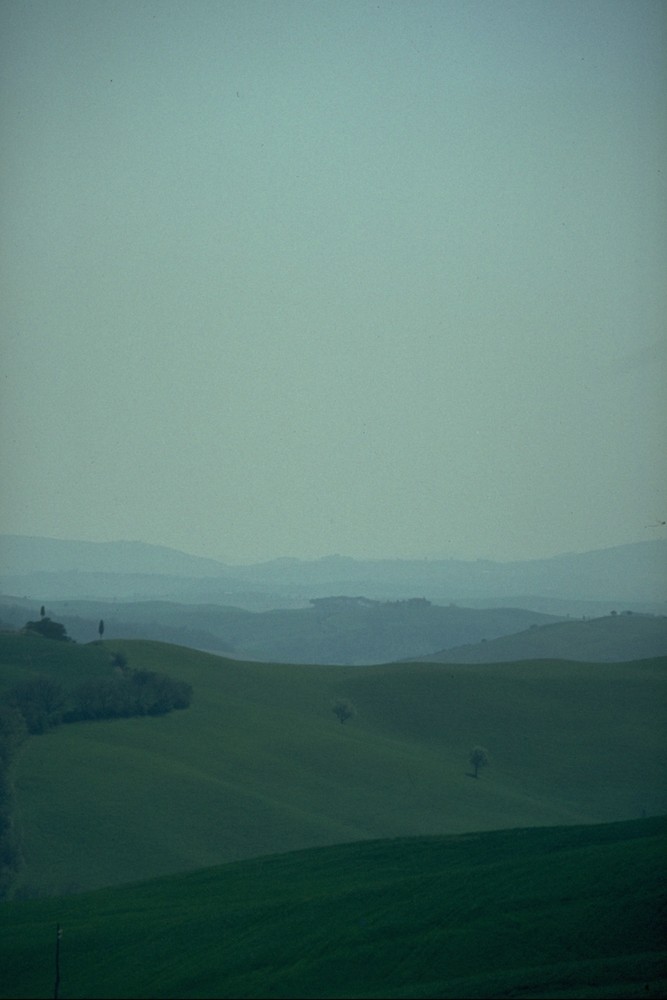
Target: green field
259 764
559 912
251 845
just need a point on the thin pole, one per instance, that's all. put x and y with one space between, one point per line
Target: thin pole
56 985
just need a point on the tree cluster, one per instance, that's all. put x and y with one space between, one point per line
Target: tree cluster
133 692
44 704
40 702
49 629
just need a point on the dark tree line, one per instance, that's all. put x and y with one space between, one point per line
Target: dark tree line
133 692
43 703
13 732
39 700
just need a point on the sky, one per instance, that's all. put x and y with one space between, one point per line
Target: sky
303 277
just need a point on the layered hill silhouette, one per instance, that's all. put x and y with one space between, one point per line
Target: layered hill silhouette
360 631
341 630
633 576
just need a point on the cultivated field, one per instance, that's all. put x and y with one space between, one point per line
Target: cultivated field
259 763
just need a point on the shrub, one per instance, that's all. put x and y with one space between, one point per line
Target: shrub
49 629
40 701
134 692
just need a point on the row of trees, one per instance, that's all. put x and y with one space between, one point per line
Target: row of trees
43 703
133 692
13 731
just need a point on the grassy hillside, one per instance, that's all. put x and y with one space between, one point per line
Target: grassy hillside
563 912
25 656
608 638
259 764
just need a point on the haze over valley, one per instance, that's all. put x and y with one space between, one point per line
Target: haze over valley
295 279
341 610
333 499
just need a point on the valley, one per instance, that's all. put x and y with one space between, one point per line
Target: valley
299 851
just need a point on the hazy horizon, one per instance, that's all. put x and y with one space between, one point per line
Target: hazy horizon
296 279
433 557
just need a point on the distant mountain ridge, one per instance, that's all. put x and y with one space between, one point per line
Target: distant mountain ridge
23 554
632 574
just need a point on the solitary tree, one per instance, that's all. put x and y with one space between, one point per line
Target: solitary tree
479 757
42 611
100 627
343 710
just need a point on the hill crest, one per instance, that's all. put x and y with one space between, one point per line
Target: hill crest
607 639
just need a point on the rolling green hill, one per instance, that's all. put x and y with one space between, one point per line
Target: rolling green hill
259 764
605 639
560 912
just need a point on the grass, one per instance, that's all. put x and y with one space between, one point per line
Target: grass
252 846
552 912
26 656
259 764
609 638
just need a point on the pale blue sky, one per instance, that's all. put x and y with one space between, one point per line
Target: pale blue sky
298 278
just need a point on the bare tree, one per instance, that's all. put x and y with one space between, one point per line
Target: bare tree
343 710
479 757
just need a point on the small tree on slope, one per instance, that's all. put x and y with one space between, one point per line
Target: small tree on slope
479 757
343 710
